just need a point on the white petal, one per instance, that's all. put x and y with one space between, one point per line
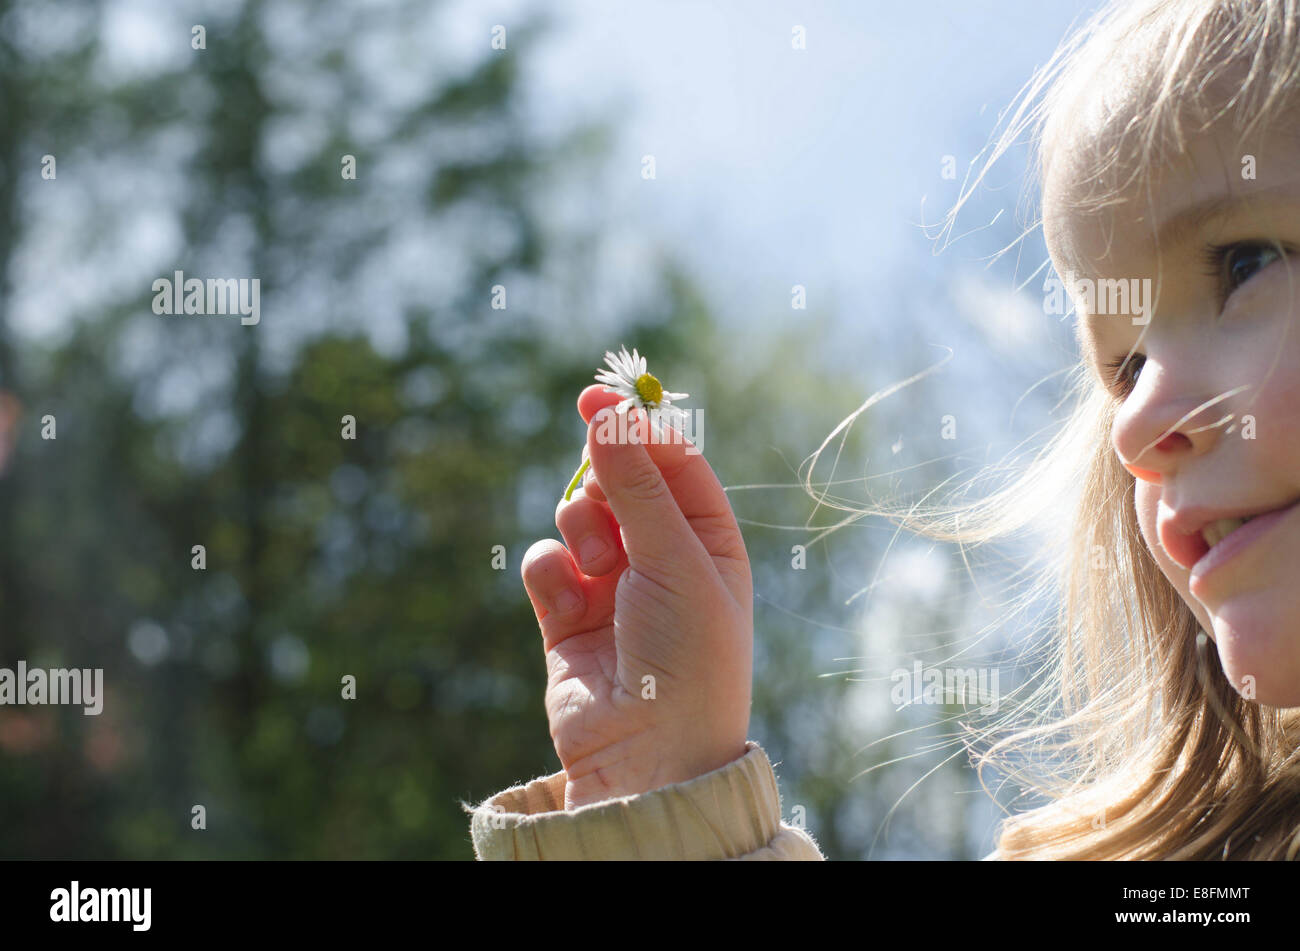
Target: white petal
674 420
616 363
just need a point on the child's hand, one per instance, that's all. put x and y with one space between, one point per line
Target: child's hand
649 672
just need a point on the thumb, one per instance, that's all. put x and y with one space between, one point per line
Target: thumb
656 535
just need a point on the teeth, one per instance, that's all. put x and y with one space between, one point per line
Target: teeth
1219 529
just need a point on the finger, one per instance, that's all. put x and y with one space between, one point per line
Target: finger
554 588
689 477
682 465
589 483
657 537
590 533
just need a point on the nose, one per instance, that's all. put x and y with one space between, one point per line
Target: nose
1166 420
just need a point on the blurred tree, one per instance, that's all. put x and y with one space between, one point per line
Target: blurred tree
328 557
325 557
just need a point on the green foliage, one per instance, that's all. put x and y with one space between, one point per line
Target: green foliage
329 557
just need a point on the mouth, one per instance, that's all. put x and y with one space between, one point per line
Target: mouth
1221 528
1199 539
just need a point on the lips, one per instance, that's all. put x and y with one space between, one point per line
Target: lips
1180 530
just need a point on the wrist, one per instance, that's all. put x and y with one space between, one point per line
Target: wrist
586 785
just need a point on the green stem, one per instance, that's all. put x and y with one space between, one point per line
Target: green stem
577 477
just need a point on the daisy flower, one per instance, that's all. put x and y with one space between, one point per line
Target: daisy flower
627 376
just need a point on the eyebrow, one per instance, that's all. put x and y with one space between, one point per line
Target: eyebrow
1182 225
1186 223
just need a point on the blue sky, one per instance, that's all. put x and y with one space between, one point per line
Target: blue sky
778 166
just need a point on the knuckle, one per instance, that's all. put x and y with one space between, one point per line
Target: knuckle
565 509
644 484
576 517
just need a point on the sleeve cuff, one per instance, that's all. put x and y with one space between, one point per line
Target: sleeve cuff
733 812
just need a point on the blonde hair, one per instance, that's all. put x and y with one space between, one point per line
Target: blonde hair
1135 736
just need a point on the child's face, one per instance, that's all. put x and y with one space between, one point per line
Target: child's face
1225 321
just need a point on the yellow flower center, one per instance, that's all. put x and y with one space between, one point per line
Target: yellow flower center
649 389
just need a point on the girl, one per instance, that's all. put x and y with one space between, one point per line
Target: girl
1168 154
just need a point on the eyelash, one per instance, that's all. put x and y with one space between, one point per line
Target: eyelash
1215 257
1125 384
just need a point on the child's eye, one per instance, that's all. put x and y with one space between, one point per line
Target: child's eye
1235 264
1123 383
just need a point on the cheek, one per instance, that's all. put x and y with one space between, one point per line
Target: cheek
1275 402
1146 498
1263 353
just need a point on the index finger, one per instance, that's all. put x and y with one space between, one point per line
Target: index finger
688 475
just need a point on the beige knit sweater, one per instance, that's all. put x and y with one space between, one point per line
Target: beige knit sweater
733 812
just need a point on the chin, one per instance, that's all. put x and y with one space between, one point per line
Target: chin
1256 635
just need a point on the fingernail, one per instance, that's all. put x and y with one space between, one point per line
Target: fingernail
591 548
566 601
